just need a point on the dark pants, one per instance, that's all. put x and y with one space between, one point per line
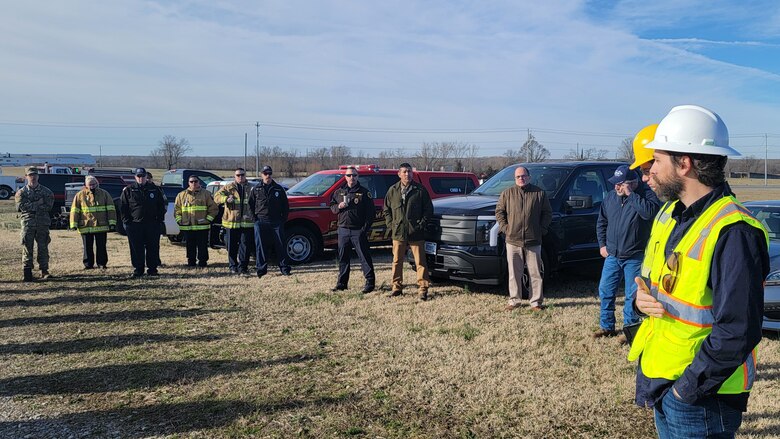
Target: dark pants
197 246
88 240
265 234
144 239
349 238
236 241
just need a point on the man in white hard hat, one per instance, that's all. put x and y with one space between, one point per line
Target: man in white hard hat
701 285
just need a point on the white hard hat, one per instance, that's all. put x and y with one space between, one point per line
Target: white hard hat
692 129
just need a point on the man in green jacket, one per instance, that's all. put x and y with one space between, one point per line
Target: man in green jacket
523 213
407 209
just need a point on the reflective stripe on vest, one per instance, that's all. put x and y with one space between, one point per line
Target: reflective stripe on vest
668 345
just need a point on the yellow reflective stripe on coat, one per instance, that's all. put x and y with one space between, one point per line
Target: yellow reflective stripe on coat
197 227
96 229
194 208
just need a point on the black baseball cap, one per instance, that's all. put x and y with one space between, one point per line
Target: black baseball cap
140 172
267 170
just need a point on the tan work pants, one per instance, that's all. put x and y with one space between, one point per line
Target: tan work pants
517 257
399 255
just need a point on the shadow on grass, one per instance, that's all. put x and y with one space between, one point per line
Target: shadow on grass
155 420
768 371
79 299
123 377
764 431
97 343
118 316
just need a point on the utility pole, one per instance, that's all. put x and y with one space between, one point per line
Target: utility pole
245 145
100 157
257 150
766 159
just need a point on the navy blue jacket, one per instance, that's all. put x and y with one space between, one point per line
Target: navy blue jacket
624 223
739 266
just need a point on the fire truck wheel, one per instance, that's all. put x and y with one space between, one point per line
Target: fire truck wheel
302 245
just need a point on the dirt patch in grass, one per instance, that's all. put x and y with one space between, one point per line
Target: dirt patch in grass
199 353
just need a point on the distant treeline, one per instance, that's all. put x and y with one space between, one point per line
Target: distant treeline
437 157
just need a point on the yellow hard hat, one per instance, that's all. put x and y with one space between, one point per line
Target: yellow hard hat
643 137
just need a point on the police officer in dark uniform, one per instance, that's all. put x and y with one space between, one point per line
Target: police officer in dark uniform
142 206
355 207
268 202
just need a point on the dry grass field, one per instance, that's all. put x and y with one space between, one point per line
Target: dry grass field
198 353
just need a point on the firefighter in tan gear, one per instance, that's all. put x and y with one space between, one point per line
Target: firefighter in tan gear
34 203
194 210
93 214
238 221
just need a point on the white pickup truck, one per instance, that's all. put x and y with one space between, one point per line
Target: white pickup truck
9 185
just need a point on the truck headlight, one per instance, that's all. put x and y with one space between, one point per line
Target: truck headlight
483 230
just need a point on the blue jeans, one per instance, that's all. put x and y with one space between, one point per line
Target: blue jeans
708 418
613 269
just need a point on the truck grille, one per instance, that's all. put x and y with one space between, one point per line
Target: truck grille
451 230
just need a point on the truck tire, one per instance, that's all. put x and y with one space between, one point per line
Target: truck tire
6 192
301 244
120 226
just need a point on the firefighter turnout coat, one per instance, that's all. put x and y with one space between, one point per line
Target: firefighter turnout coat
92 211
194 210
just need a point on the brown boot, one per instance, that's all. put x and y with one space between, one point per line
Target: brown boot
423 293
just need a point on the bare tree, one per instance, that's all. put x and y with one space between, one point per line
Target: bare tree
170 151
471 155
626 150
532 151
512 156
340 155
586 154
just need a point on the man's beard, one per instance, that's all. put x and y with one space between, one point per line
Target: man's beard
668 190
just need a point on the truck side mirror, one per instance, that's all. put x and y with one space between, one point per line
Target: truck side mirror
580 201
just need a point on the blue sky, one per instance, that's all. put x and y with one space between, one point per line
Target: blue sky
380 75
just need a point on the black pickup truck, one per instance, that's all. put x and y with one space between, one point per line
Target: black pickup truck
463 242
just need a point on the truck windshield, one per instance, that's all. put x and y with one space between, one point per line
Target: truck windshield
173 179
315 184
548 178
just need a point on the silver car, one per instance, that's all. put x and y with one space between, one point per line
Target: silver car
768 212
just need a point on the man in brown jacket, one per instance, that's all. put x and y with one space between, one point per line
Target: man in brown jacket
523 213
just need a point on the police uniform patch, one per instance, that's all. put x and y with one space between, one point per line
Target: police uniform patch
151 195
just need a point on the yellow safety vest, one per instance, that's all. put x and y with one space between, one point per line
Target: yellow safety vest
669 344
194 210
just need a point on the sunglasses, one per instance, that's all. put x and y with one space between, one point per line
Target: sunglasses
670 279
350 175
194 181
240 175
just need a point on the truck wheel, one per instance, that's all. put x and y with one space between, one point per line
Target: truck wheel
302 245
5 192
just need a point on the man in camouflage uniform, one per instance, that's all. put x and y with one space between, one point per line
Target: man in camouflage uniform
34 202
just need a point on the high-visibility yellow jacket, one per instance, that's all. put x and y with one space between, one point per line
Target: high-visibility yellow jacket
92 211
194 210
668 344
237 213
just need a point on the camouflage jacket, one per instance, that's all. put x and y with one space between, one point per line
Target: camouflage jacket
34 205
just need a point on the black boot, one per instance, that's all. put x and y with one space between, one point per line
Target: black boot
28 275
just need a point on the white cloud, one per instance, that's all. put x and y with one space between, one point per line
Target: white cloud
407 64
